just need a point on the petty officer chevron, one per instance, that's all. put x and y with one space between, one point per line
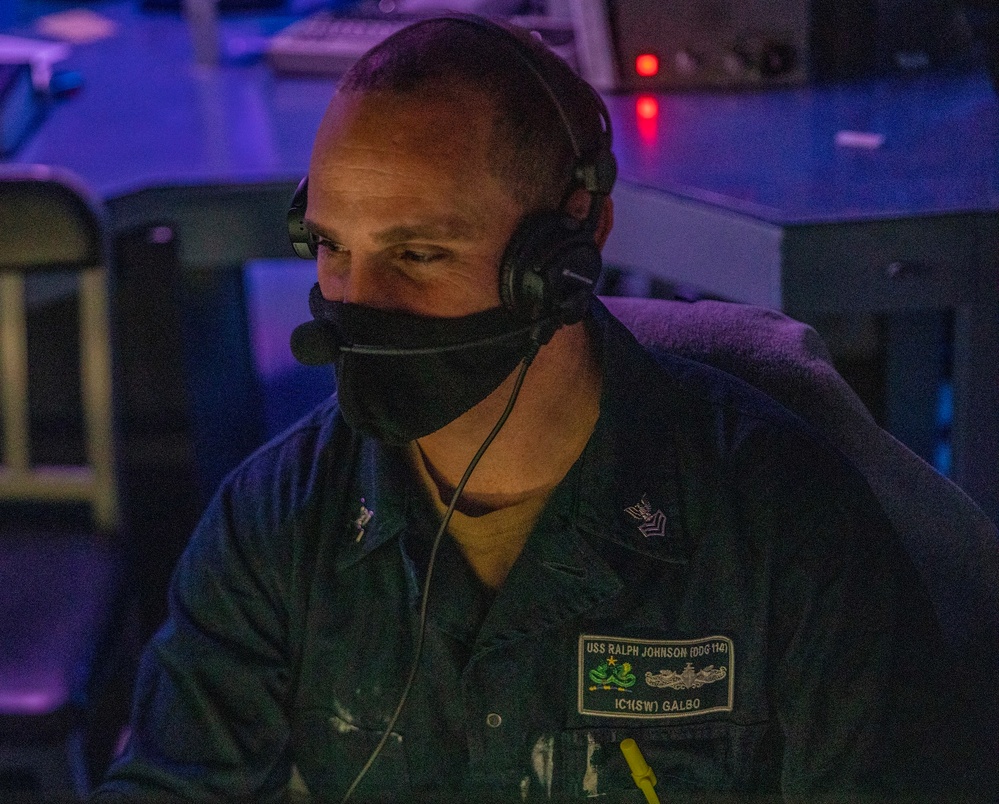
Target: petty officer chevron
514 537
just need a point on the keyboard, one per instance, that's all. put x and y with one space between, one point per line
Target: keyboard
326 43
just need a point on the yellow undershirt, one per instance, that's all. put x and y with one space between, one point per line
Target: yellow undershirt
492 540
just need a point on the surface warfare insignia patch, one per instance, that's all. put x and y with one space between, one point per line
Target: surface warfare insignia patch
650 523
655 678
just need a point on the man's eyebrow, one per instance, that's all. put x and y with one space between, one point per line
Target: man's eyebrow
450 228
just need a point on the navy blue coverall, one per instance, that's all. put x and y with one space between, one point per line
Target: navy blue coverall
710 579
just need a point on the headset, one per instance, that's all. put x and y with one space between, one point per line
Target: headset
551 264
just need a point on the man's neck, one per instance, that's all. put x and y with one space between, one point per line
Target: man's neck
550 425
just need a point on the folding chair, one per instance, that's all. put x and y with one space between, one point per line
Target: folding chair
62 565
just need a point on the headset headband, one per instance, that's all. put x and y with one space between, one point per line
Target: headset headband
597 174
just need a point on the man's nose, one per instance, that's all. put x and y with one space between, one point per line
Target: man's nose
352 278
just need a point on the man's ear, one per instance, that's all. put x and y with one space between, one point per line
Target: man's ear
578 206
604 223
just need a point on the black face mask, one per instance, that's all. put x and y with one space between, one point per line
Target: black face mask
403 376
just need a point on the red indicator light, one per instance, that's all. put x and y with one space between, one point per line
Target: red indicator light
647 108
647 65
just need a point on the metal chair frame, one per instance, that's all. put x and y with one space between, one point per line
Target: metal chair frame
50 223
19 478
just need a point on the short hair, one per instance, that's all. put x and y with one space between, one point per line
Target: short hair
531 150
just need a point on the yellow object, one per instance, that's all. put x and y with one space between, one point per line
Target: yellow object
644 776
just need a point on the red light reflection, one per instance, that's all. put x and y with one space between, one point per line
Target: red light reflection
647 117
647 107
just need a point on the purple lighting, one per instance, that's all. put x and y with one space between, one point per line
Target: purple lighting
47 629
33 700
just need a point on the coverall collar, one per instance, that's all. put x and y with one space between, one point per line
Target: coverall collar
564 567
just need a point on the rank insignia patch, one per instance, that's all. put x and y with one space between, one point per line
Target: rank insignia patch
653 678
650 523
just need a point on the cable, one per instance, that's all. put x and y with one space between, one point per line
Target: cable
425 593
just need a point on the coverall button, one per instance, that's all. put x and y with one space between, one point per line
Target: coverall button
493 720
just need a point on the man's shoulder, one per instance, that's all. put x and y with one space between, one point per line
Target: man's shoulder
727 437
738 477
696 397
743 382
743 359
764 443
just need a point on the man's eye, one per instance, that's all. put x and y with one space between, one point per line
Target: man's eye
329 245
415 255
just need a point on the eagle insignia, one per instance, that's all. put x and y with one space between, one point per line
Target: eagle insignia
363 518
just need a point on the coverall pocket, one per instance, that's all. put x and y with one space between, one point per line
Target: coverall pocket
330 752
685 759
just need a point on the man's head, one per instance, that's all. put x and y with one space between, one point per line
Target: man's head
451 205
437 144
539 105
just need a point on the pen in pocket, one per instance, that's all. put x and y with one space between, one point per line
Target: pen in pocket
644 776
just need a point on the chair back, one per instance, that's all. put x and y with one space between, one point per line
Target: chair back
50 224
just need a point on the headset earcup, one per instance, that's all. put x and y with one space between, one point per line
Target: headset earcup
550 268
301 238
577 271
